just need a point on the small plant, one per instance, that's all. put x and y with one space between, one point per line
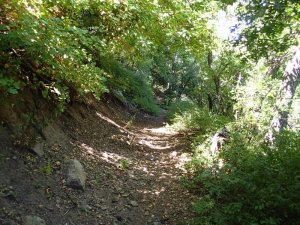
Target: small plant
123 164
48 169
129 124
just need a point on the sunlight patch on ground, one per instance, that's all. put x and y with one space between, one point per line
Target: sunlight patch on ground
153 192
182 160
108 120
157 145
108 157
112 122
166 130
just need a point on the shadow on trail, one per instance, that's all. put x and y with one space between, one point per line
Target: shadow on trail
147 159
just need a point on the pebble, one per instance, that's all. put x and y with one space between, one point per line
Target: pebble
103 208
134 203
33 220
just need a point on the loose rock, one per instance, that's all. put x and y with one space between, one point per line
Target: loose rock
34 220
134 204
39 149
75 174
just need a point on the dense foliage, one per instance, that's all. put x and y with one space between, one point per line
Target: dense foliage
66 49
249 182
250 178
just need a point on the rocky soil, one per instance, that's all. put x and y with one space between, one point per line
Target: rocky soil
132 167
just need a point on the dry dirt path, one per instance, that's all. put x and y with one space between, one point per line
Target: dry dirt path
133 165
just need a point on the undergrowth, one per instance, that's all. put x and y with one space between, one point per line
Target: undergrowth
132 85
187 115
61 58
248 182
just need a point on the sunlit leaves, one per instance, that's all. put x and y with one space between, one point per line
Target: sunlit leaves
271 26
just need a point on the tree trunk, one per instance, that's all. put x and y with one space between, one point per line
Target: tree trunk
287 91
210 102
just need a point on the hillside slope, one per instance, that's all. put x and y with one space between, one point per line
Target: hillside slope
132 161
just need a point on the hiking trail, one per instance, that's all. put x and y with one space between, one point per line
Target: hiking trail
133 163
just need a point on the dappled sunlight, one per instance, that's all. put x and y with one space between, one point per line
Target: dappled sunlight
182 160
158 145
107 119
139 136
109 157
155 192
165 130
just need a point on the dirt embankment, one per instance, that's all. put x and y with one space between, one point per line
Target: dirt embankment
133 164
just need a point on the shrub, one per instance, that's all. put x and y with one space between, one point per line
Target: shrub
133 85
254 184
46 53
186 114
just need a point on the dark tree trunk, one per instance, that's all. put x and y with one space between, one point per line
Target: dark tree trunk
210 102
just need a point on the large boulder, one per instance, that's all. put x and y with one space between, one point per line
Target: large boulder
33 220
75 174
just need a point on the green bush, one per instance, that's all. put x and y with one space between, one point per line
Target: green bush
186 114
41 51
250 182
178 108
133 85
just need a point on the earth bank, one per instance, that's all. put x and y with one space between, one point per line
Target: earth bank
133 163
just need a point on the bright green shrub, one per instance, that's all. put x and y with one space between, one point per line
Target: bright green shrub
186 114
250 182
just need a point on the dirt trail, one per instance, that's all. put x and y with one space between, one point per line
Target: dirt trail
133 164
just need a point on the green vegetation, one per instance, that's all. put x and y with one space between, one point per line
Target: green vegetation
123 164
249 182
188 115
48 169
66 50
167 54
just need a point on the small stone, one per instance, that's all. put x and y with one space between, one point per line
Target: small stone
39 149
152 158
75 174
34 220
103 208
134 203
57 164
